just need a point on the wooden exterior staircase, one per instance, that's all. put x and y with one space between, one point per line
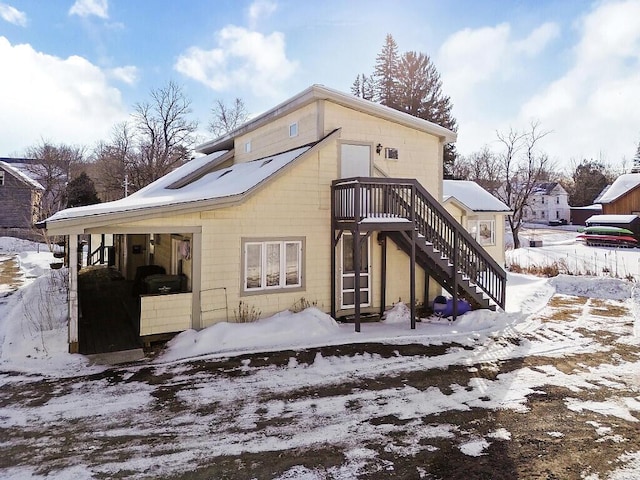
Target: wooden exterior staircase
403 211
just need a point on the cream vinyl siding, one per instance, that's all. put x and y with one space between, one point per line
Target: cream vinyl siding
419 153
274 137
165 313
295 204
469 221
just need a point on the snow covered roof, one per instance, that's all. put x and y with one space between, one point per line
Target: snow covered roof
195 184
320 92
595 206
611 219
20 175
547 188
622 185
472 196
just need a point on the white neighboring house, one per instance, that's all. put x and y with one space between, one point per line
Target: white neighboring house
549 201
479 212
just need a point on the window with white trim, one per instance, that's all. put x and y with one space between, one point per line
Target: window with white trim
247 147
293 130
484 231
272 265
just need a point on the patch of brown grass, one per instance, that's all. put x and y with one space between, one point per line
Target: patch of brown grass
9 272
564 308
564 301
610 311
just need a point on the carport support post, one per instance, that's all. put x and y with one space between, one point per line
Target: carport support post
73 293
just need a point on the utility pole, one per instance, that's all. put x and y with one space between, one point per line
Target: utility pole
125 184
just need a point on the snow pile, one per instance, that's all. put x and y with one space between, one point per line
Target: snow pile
283 329
33 319
399 313
592 287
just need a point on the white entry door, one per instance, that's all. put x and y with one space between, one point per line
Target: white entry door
355 161
348 274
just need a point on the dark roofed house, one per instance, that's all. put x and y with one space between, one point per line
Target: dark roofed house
20 197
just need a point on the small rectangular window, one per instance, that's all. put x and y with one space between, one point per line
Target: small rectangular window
247 147
484 231
1 177
293 129
391 153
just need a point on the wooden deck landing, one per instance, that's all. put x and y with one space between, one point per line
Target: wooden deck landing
109 313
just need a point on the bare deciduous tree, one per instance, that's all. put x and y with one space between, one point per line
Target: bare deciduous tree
157 139
113 160
54 166
512 174
522 166
481 167
163 133
227 118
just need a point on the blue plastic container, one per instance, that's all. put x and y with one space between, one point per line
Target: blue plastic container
443 307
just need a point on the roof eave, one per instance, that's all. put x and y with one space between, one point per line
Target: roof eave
320 92
83 223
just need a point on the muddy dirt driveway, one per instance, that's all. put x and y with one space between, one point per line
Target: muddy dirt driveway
556 397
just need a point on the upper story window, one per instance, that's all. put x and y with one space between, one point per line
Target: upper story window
293 130
247 147
1 177
391 153
558 200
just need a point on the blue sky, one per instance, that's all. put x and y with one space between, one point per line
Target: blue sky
72 70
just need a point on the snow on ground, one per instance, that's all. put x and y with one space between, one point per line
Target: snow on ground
33 329
33 318
33 340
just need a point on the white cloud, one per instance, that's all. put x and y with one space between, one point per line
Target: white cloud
259 10
594 107
242 59
470 57
13 15
62 100
87 8
128 74
537 40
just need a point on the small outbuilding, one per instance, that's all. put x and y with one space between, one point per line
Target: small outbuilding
580 215
630 222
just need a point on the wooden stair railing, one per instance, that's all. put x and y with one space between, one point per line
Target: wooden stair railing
388 200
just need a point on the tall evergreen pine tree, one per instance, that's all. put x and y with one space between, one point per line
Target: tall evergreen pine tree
385 74
411 83
635 168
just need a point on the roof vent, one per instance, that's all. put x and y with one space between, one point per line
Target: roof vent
265 162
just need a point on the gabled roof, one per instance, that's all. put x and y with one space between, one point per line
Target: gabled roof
621 186
320 92
20 175
472 196
194 186
546 188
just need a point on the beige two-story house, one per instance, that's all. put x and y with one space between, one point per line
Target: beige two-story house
325 197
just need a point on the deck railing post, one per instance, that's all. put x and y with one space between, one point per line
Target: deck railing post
356 254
